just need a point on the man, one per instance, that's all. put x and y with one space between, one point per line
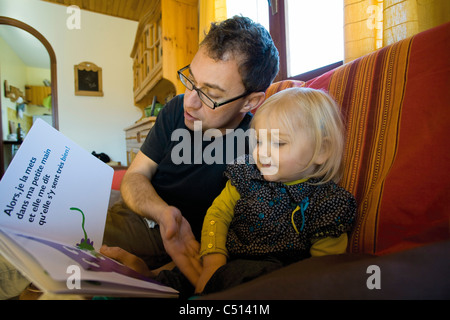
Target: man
227 78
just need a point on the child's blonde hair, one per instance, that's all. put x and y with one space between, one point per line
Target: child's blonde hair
315 112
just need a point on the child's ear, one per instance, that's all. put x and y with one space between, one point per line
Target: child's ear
252 101
324 153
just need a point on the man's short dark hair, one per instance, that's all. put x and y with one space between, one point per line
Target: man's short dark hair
252 46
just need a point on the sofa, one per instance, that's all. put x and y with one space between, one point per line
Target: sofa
396 107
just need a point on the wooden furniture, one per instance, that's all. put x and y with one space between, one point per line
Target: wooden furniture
166 40
12 92
36 94
135 136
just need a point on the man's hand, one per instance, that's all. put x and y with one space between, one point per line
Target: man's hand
128 259
180 243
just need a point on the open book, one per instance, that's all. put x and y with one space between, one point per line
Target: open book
53 201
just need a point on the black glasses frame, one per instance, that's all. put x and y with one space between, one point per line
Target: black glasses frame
187 83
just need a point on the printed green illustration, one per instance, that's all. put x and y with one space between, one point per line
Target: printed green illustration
85 243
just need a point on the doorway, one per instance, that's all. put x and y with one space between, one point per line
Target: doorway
24 100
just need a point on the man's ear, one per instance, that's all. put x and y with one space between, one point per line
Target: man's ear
253 101
324 153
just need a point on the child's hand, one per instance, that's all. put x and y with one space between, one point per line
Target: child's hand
128 259
211 263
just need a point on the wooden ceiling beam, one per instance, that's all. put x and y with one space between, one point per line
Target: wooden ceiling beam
126 9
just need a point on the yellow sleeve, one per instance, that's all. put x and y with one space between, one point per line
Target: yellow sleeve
329 245
217 220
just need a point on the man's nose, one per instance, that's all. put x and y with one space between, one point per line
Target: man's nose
192 100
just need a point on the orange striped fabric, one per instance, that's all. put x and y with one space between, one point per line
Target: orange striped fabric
281 85
370 92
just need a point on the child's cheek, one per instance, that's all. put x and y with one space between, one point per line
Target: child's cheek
255 154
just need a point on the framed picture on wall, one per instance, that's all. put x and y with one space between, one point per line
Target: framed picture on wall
88 79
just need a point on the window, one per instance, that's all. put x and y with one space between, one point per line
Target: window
307 33
257 10
314 34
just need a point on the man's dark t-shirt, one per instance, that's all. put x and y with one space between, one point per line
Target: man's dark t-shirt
193 184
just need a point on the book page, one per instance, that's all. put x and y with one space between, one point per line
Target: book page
54 189
62 269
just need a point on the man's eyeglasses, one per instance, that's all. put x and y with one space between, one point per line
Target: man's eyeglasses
203 96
